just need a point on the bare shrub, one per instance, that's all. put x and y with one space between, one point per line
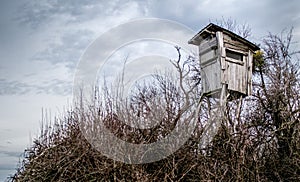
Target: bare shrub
258 139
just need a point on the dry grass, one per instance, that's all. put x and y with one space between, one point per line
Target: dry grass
258 140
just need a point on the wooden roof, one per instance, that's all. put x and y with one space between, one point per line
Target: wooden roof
212 29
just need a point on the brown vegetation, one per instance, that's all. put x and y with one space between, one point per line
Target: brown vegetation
259 140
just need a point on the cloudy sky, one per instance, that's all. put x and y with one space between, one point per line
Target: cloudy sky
42 41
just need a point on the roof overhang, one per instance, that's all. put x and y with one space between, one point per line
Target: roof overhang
211 29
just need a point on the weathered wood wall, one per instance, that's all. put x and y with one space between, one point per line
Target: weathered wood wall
218 68
211 76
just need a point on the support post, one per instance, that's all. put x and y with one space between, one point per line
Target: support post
223 100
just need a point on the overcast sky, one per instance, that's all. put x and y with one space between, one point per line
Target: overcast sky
41 42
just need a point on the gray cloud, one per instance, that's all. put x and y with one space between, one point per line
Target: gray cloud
39 12
262 16
55 86
68 50
65 29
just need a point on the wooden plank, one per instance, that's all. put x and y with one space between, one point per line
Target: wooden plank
235 47
222 57
245 83
224 65
207 56
236 77
220 41
245 53
208 44
234 44
208 49
210 77
235 61
209 62
249 79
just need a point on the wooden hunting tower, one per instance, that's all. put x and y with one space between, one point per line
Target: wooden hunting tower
225 59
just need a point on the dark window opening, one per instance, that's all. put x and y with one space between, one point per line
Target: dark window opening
234 55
